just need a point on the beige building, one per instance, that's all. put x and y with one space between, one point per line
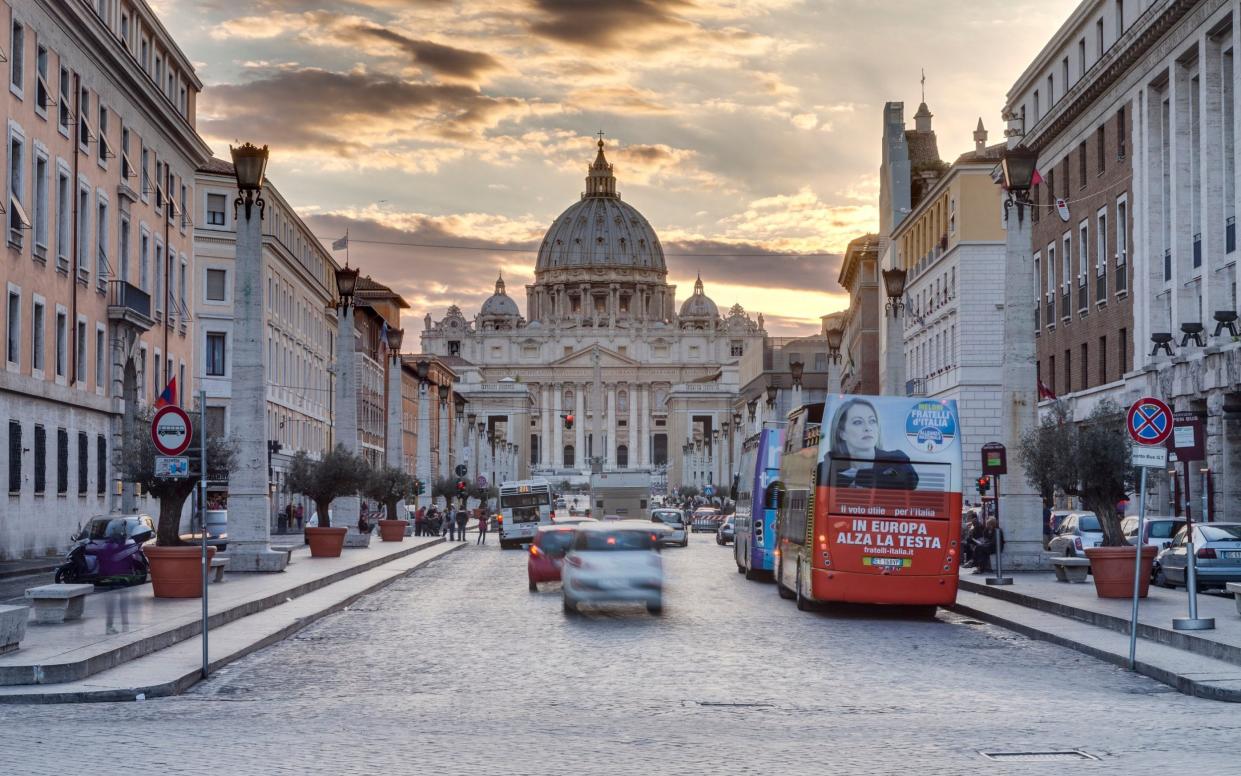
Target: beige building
100 152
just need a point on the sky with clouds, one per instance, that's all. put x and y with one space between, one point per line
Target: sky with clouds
744 130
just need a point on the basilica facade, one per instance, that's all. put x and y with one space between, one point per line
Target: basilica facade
649 385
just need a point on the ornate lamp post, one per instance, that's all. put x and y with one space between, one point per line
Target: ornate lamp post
249 498
835 336
345 511
394 452
422 458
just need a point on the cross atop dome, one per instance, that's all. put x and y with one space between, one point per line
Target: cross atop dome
600 182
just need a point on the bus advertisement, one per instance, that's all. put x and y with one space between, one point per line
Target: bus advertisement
876 519
754 543
524 506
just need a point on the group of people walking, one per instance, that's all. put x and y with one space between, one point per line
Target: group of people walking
432 521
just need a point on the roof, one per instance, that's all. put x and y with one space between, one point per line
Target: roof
218 167
369 287
990 154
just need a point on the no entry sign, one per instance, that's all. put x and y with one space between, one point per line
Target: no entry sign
1149 421
171 430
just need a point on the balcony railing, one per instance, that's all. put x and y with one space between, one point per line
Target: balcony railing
1100 293
1066 300
1083 295
127 302
1051 309
1122 274
915 387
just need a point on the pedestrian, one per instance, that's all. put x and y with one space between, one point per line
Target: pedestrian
990 541
450 525
463 517
420 521
482 527
300 515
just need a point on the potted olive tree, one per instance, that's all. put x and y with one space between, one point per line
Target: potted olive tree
338 473
176 565
389 485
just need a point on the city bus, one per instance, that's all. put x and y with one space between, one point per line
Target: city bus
754 543
870 502
524 506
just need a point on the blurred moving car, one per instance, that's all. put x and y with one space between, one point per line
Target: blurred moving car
547 554
615 561
1217 551
1078 532
726 532
678 531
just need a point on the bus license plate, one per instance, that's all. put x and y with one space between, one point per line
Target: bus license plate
893 562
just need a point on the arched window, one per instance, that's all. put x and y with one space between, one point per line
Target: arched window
568 455
622 457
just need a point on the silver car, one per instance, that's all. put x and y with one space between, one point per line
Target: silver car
678 530
1217 547
1078 532
615 561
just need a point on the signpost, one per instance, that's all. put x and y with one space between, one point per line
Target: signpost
995 463
171 430
461 470
174 467
1188 442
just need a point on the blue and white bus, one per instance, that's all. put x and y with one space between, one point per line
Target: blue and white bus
755 523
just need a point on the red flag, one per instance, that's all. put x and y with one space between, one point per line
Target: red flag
1044 392
169 396
1036 179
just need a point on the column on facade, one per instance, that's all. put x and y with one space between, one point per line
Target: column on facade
1216 284
546 434
1184 296
610 436
632 392
557 456
643 429
422 459
394 450
579 425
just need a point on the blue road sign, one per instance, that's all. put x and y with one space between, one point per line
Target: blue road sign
1149 421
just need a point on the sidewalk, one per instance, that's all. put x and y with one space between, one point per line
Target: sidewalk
1206 664
157 647
27 566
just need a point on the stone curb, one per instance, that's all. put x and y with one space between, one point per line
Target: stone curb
51 565
1229 653
1180 682
71 671
186 681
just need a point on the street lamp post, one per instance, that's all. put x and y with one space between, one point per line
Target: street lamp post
894 331
1021 507
835 336
422 461
249 498
346 508
395 449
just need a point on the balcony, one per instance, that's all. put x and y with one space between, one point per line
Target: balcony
129 304
915 387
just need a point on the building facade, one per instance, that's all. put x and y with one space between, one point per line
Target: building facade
299 316
605 342
100 152
859 275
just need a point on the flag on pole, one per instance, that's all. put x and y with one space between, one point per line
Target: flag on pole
342 243
1044 392
1036 179
169 396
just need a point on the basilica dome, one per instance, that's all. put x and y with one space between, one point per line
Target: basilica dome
699 307
601 231
500 304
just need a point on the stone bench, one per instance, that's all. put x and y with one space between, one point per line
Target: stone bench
57 603
219 564
1070 569
287 549
12 627
1235 589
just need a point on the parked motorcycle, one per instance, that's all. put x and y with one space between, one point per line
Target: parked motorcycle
108 551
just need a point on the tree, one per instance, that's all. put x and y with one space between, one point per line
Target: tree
389 485
338 473
1044 453
687 492
482 494
1105 472
135 462
445 487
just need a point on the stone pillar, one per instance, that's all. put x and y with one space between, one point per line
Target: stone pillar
445 445
557 456
1021 511
632 443
644 425
610 441
394 450
249 510
579 426
422 459
546 434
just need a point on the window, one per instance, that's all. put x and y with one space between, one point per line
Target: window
820 362
158 296
104 268
62 461
1123 351
1085 367
1100 150
1064 74
127 167
42 94
185 310
40 202
38 322
40 460
62 115
101 352
1068 371
1098 35
454 348
1066 258
84 210
144 254
1101 256
215 354
1102 360
736 349
1081 57
1051 91
216 285
1083 254
123 249
1051 269
1122 243
1051 372
81 342
64 236
85 135
83 462
62 343
13 342
1081 165
215 210
1120 17
17 185
101 464
105 153
17 59
15 457
144 158
1036 106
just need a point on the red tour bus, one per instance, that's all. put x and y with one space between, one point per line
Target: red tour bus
870 502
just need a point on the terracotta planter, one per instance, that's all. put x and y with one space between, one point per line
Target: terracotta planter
177 572
1112 569
392 530
326 542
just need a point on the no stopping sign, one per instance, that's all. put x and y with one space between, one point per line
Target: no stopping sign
171 430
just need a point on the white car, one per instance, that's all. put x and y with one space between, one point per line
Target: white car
674 520
1078 532
615 561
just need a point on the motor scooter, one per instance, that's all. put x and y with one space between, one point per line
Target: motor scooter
108 552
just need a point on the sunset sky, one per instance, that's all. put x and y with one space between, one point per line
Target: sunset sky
737 127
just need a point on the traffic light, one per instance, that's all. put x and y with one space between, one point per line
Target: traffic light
984 485
419 489
568 422
461 488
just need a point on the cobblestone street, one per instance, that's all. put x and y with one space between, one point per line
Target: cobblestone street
458 669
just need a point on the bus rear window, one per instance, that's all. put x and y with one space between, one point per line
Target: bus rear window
525 499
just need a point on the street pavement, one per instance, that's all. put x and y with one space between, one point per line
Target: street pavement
457 669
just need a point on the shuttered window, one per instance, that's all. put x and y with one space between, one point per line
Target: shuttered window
40 460
83 463
15 456
101 464
62 461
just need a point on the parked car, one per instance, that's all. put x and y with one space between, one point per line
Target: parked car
614 562
678 531
1078 532
1057 518
725 533
1217 550
1159 531
547 554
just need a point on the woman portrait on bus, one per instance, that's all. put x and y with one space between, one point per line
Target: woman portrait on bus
856 443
